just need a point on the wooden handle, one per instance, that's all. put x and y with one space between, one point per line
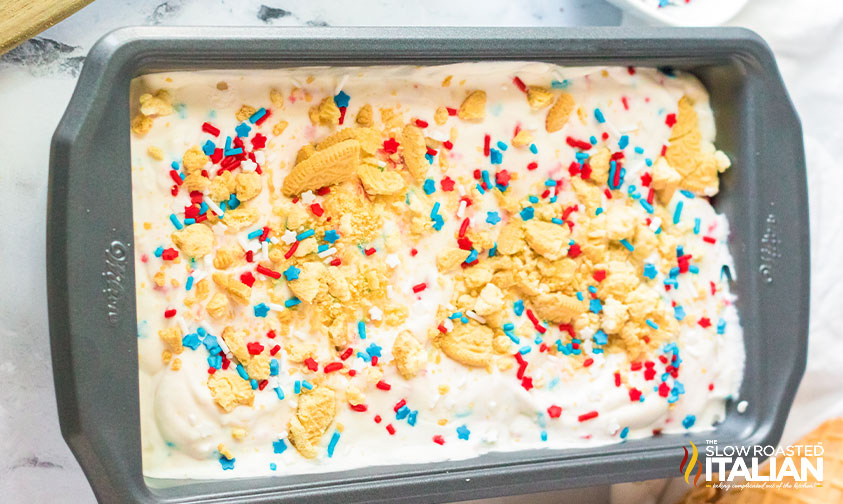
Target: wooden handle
22 19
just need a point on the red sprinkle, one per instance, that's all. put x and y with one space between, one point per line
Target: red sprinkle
527 383
390 146
316 208
345 355
502 178
670 120
390 429
442 329
451 111
342 114
322 191
574 250
704 322
274 350
176 178
421 124
588 362
369 251
447 184
579 144
262 384
625 103
448 144
292 250
170 313
617 379
377 419
554 411
358 407
250 256
254 348
382 385
587 416
268 272
259 141
438 439
263 117
532 166
464 227
518 82
487 141
336 261
169 254
635 366
709 239
599 275
540 328
334 366
634 394
420 287
209 128
270 334
398 405
249 279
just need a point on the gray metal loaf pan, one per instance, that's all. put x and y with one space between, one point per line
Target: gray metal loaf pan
90 236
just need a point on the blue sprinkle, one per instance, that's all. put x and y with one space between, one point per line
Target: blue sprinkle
226 464
273 367
628 245
272 466
555 84
227 144
493 218
650 271
697 225
402 413
322 248
677 212
721 326
480 189
411 418
341 99
242 129
233 152
279 393
175 221
374 350
534 149
527 213
189 283
592 289
678 313
279 446
261 310
694 269
518 307
210 342
595 305
600 337
524 350
208 147
292 273
486 179
429 158
652 324
438 222
623 142
502 146
648 207
493 250
649 162
253 383
599 116
580 296
305 234
625 431
254 234
472 256
593 140
293 301
191 341
557 220
463 432
687 194
361 329
306 384
242 372
639 150
233 202
215 361
331 236
435 210
175 165
598 211
429 186
544 435
495 156
333 444
257 115
550 183
159 251
188 222
688 422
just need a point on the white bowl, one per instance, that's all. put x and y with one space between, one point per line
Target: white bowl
693 13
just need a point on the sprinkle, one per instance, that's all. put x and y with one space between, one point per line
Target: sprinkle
175 221
361 329
226 463
688 421
382 385
209 128
254 118
342 98
438 439
518 307
420 287
279 446
554 411
291 273
587 416
261 310
652 324
331 236
495 156
263 270
628 245
527 213
306 384
595 305
677 212
293 301
624 432
463 432
599 116
242 129
333 443
305 234
623 142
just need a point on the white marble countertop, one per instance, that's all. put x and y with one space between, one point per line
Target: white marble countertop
37 79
